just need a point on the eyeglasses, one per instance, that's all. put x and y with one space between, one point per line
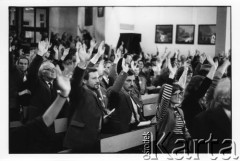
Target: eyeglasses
177 94
49 69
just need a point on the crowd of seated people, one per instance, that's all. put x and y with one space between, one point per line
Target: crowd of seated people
99 90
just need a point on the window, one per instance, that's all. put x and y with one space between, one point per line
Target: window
34 24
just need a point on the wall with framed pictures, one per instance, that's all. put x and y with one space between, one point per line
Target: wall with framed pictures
148 21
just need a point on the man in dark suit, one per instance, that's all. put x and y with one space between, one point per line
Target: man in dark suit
88 106
128 107
107 81
41 81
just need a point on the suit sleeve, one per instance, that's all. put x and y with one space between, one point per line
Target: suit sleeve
203 87
113 72
209 95
32 76
113 92
76 82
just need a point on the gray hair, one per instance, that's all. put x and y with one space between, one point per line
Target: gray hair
45 65
222 93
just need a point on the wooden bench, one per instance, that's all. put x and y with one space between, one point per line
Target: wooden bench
127 140
149 104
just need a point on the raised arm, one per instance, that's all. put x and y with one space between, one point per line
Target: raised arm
208 80
36 63
64 85
78 74
118 84
218 75
183 78
167 93
113 70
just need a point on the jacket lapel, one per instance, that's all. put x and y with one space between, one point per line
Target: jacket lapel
101 108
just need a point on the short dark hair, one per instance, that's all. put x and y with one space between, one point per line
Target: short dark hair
148 64
125 55
130 72
89 70
153 59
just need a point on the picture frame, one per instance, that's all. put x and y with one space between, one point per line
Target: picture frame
100 11
88 16
185 34
164 34
207 34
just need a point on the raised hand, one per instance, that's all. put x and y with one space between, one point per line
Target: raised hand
121 46
117 54
101 67
168 56
125 66
202 57
169 65
78 44
210 60
101 48
56 52
83 55
93 43
65 53
133 65
42 47
63 81
186 65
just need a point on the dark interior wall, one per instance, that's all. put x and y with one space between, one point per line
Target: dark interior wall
63 19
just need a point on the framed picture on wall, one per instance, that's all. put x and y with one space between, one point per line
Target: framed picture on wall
88 16
185 34
207 34
100 11
164 34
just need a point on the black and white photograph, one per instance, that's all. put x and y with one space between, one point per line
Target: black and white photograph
109 80
100 11
185 34
207 34
164 34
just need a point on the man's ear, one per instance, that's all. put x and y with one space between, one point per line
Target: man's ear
84 81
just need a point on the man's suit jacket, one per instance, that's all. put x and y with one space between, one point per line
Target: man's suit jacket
41 95
120 100
106 85
85 123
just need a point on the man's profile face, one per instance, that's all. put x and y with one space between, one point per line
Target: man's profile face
93 80
128 59
129 83
107 68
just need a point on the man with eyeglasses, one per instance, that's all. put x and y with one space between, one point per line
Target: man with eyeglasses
41 80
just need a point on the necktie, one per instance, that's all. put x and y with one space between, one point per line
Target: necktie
51 90
135 111
137 83
100 98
